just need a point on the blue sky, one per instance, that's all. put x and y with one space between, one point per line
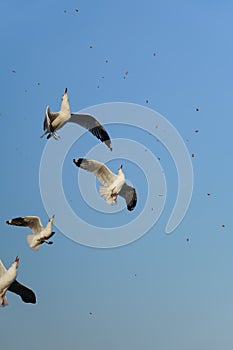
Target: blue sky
161 291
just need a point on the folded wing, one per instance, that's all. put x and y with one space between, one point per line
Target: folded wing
88 122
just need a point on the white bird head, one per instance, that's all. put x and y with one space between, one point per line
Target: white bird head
52 218
65 95
120 169
16 262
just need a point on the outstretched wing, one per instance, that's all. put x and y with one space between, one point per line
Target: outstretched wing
26 294
101 171
2 268
33 222
88 122
130 195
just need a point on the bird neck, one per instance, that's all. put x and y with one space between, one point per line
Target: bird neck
65 106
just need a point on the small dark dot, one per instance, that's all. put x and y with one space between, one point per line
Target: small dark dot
76 10
197 109
147 101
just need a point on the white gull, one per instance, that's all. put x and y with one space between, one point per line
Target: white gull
113 185
55 120
8 282
40 233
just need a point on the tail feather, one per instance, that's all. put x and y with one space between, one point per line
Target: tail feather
31 242
106 194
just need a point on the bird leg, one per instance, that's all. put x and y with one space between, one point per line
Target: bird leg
44 240
114 195
3 301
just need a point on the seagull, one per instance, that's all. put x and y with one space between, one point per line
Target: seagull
55 120
113 185
8 282
40 234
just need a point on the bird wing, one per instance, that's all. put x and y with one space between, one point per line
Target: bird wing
2 268
101 171
46 120
51 116
33 222
130 195
26 294
88 122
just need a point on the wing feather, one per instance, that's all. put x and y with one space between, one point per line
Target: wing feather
33 222
2 268
26 294
101 171
130 196
88 122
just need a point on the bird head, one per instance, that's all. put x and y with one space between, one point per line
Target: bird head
16 261
52 218
120 169
65 95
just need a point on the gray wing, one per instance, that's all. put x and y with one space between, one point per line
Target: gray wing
101 171
33 222
130 195
26 294
88 122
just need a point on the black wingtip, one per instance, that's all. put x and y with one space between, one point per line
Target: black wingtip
78 161
133 203
66 90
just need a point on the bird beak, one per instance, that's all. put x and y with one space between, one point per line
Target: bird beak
121 166
66 90
17 260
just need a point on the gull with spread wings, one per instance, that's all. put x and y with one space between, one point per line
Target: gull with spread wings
55 120
8 282
40 234
113 185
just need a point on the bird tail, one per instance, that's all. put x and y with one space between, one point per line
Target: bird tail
4 301
106 194
31 243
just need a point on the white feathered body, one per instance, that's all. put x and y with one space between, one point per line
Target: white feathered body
34 240
64 114
109 193
6 280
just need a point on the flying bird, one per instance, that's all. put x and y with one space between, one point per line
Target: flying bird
40 233
8 282
55 120
113 185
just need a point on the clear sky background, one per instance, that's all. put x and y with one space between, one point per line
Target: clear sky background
162 291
